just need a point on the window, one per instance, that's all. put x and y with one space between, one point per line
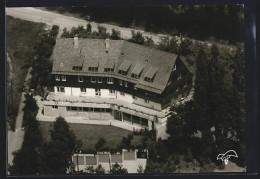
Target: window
174 67
93 68
110 80
135 76
57 77
80 79
122 72
97 92
99 80
134 97
55 107
126 85
93 79
112 91
109 69
63 78
122 93
60 89
80 109
179 76
148 79
120 82
77 68
83 90
146 101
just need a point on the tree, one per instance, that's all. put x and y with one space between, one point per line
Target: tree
117 169
89 28
100 170
54 31
65 33
115 35
126 141
100 144
102 32
26 159
168 45
149 41
55 156
140 169
137 37
184 48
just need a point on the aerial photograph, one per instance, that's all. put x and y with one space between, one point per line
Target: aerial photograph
125 90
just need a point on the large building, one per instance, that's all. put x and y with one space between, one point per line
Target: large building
115 80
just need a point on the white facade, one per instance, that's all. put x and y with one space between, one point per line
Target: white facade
106 93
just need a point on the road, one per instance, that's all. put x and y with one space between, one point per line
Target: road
51 18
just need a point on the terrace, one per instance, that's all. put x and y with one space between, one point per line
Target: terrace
80 101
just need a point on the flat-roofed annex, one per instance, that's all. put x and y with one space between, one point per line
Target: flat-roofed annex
119 55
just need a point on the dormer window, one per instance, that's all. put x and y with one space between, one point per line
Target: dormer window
93 68
148 79
136 73
57 77
124 67
122 72
80 78
135 76
63 77
77 68
149 76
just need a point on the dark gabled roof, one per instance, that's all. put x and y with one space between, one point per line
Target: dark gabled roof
122 55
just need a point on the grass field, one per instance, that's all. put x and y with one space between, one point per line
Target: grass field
20 36
89 134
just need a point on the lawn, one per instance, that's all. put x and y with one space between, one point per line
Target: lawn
89 134
20 36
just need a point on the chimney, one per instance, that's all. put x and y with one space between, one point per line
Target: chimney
107 45
76 41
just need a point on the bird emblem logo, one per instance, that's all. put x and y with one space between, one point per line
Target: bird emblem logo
225 157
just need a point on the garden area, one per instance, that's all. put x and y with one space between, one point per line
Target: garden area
90 134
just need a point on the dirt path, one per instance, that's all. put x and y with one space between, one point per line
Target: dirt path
15 139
